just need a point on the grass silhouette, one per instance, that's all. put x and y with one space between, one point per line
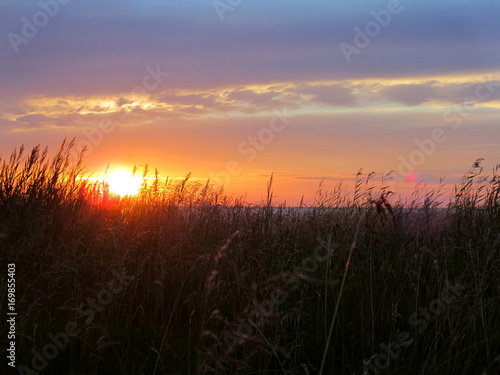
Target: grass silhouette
217 285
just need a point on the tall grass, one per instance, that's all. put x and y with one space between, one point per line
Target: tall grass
222 286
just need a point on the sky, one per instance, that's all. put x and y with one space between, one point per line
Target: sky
234 90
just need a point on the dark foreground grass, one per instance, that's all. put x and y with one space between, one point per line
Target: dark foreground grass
185 280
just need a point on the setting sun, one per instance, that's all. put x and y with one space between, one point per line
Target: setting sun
123 183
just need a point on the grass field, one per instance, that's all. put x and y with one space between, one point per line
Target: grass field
183 279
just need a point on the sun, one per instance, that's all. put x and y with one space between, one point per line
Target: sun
124 183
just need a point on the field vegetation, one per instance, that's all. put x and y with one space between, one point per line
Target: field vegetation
184 279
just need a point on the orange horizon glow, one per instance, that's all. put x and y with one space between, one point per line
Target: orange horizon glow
289 190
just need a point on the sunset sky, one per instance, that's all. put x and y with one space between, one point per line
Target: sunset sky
234 90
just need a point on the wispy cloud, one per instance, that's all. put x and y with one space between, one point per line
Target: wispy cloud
301 97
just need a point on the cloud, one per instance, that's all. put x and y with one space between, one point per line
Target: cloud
34 120
303 97
333 94
197 99
84 50
252 97
485 91
7 125
122 101
410 94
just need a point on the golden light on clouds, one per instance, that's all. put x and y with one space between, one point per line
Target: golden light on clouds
373 120
374 94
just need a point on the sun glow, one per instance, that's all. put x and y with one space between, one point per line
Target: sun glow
124 183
